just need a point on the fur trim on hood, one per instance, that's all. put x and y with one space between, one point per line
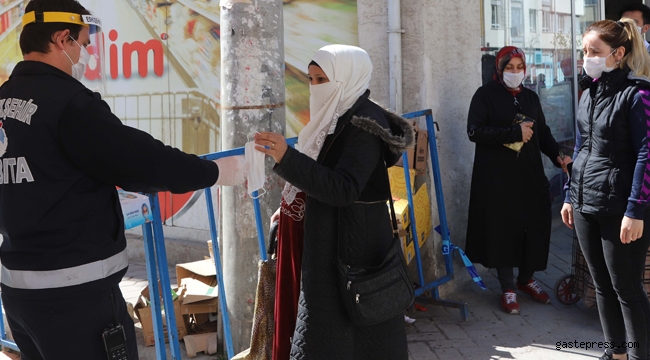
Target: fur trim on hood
398 138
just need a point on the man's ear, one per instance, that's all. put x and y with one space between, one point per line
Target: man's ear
645 28
59 38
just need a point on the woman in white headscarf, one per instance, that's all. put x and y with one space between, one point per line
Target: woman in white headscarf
339 169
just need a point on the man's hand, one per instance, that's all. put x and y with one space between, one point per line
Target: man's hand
232 170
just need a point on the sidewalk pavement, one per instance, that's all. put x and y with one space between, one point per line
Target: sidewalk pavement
440 334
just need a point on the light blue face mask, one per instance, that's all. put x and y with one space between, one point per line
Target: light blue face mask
256 170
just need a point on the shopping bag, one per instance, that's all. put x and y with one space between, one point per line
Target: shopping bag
261 347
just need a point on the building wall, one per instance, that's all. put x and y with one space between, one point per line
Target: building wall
441 71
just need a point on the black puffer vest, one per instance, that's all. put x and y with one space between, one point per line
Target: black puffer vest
601 178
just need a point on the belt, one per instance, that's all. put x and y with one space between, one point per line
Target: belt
76 275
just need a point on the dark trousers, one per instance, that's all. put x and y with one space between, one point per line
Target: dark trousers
69 328
617 270
507 278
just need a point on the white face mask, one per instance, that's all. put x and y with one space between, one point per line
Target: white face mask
595 66
513 80
79 69
320 94
256 171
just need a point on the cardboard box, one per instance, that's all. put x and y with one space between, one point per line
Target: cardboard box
401 212
136 208
7 355
408 246
201 307
198 280
206 343
404 226
143 312
398 181
211 251
421 151
418 156
422 212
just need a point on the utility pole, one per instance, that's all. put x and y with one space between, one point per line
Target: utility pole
252 99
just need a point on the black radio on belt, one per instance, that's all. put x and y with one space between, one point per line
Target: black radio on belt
114 337
115 343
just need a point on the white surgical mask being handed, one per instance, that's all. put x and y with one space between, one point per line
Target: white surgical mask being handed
79 68
595 66
513 80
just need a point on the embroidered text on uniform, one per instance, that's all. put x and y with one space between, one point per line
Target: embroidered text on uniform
21 110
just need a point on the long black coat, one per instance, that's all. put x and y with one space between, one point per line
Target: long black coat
346 192
509 209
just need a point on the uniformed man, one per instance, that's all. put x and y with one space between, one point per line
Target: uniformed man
62 153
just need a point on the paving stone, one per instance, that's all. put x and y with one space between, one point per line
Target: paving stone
481 337
448 353
450 344
426 326
453 331
479 352
421 351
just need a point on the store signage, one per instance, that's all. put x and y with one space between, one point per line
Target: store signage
142 49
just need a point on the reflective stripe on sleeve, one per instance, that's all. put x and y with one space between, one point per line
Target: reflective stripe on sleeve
77 275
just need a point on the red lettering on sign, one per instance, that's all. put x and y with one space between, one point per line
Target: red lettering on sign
142 50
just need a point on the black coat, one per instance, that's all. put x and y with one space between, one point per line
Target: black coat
509 221
346 192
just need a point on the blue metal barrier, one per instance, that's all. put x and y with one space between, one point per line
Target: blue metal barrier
215 242
442 214
4 341
156 258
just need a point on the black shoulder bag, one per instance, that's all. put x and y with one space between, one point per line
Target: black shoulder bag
372 295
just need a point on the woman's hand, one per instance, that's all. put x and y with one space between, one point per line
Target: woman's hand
276 216
631 229
567 215
564 161
272 144
526 130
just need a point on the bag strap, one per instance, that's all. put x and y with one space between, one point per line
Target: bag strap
390 199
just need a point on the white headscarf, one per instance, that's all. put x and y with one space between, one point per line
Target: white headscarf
348 69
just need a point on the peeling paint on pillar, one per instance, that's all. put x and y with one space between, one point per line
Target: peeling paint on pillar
252 75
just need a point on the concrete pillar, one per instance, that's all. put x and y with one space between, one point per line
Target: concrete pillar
252 99
441 71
